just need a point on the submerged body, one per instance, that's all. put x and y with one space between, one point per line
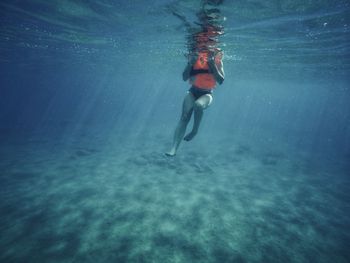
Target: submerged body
203 71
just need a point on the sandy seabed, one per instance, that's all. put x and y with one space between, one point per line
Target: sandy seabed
124 201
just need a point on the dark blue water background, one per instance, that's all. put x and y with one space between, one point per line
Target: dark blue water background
100 65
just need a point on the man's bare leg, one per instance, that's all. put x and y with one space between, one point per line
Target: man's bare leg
200 105
187 109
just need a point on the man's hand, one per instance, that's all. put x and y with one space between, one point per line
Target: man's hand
212 55
192 58
211 58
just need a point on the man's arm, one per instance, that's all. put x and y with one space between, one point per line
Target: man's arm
217 69
192 59
187 71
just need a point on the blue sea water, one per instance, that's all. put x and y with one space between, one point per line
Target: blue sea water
90 95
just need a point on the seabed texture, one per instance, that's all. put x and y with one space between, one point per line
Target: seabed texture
124 201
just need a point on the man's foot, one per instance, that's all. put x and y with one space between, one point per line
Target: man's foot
190 136
171 153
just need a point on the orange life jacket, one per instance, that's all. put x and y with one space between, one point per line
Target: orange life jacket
203 79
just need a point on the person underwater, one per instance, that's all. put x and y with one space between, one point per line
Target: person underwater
203 71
